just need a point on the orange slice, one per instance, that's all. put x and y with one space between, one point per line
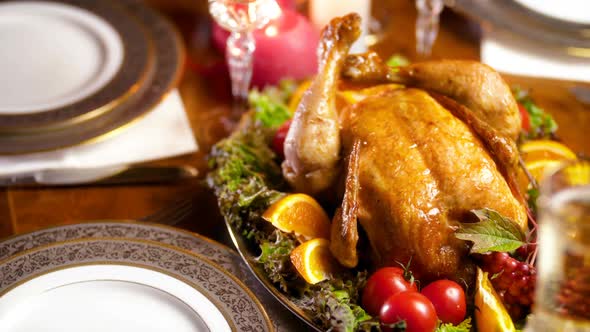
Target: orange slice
314 261
490 315
343 98
538 169
351 96
540 157
545 150
355 96
300 214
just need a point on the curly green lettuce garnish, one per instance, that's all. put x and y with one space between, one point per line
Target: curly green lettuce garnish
465 326
398 60
333 303
243 168
270 105
542 124
275 259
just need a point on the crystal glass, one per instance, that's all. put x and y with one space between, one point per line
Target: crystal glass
241 18
427 24
563 284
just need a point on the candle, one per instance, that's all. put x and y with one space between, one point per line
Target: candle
287 4
285 48
322 11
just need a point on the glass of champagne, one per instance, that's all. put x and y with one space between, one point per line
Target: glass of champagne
241 18
427 24
562 300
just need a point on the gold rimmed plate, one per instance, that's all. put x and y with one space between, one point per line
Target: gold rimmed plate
66 61
163 73
122 284
218 253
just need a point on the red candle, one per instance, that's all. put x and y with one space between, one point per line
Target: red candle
285 48
287 4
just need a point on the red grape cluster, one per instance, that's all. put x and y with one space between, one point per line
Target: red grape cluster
514 281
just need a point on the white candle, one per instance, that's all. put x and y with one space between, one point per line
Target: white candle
322 11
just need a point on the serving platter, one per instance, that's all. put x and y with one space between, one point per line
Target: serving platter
162 74
66 61
122 284
249 253
218 253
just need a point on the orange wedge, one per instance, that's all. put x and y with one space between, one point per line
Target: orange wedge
343 98
490 315
540 157
355 96
538 169
545 150
351 96
300 214
314 261
297 95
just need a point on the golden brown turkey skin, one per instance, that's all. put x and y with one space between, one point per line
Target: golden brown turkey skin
414 169
471 83
421 171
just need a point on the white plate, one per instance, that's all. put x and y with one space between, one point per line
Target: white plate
53 55
122 285
575 11
108 298
282 319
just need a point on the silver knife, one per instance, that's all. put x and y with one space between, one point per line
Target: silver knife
114 175
582 93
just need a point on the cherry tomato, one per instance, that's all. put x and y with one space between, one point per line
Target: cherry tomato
384 283
448 298
279 140
525 118
413 308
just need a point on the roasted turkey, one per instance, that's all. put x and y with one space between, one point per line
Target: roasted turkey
414 159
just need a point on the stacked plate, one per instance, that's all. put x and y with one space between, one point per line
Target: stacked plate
75 70
128 276
562 24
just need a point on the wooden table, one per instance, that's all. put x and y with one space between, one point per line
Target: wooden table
204 92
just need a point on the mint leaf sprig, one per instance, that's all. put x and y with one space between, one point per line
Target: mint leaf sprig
493 232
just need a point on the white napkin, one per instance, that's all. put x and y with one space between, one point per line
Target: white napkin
511 54
164 132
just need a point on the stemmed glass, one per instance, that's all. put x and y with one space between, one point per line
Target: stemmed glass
241 18
427 24
562 300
